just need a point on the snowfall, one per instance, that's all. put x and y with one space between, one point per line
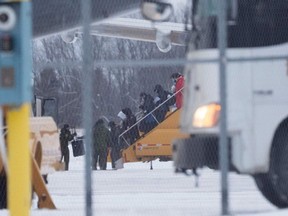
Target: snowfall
137 190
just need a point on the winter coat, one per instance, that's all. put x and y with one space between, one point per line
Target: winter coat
114 134
148 123
148 104
179 96
101 138
65 137
161 112
133 133
164 95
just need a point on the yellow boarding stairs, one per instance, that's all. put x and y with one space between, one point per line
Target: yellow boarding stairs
157 143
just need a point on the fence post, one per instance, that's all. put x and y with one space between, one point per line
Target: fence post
87 104
223 150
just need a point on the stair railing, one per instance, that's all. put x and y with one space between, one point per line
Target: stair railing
122 135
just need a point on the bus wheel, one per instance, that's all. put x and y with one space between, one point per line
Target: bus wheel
274 184
3 191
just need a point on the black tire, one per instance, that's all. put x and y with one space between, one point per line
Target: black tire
274 184
3 192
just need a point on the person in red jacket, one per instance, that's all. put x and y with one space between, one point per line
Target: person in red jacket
179 84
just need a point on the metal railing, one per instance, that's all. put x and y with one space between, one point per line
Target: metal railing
3 132
122 135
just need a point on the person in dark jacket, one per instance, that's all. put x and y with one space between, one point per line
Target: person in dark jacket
65 137
162 95
101 142
147 105
133 134
115 146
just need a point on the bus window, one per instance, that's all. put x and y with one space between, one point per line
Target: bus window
255 23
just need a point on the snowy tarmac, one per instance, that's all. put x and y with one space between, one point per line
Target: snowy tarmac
137 190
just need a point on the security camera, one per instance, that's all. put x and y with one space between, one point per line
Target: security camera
163 41
69 37
7 18
156 10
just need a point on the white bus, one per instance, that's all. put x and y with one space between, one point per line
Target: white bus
257 96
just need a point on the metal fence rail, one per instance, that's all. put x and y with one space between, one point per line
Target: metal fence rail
93 76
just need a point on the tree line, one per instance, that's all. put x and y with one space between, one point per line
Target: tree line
57 72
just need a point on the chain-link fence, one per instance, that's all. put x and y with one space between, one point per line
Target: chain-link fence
116 87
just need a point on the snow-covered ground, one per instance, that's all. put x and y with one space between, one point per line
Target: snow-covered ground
137 190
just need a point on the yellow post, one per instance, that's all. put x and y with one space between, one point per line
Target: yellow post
19 163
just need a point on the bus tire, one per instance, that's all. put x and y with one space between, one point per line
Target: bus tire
274 184
3 191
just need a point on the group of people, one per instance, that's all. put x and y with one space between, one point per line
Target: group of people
154 111
105 138
161 104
